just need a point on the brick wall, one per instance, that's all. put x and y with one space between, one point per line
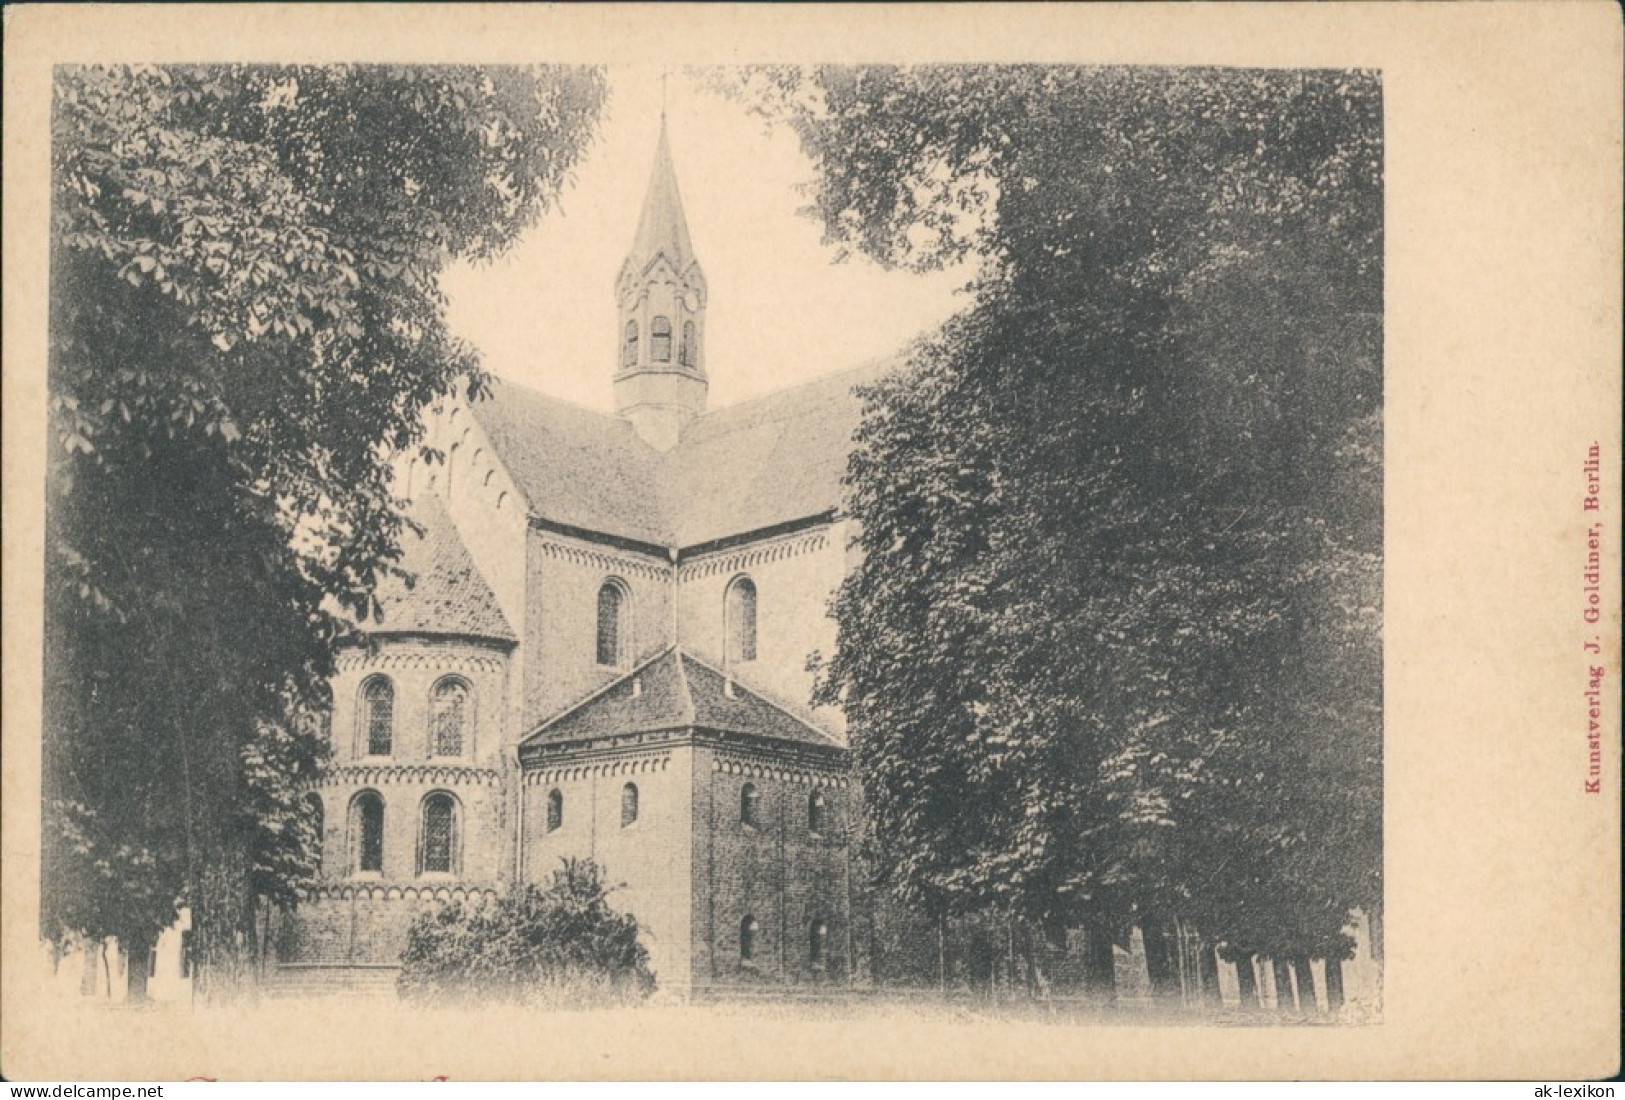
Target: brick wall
777 872
650 856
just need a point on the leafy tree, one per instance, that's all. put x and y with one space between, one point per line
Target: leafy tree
246 323
1111 655
563 946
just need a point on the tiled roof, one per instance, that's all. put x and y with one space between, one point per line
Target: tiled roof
677 691
575 466
447 594
738 469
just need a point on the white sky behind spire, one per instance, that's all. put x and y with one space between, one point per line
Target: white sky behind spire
781 310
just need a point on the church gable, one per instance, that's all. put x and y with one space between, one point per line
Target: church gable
676 691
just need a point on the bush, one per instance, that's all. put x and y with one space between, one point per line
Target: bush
563 946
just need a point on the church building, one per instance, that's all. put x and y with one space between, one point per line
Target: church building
604 653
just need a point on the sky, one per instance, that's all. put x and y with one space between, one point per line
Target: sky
781 310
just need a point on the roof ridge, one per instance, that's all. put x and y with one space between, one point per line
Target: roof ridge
824 379
592 696
689 710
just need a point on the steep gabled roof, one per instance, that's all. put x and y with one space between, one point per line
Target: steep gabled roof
446 594
742 468
764 462
676 690
575 466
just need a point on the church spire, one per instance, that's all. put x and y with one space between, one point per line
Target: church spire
662 228
660 380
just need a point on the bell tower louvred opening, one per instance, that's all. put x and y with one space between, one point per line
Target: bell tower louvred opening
660 381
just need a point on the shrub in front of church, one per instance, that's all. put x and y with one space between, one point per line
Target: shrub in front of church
563 946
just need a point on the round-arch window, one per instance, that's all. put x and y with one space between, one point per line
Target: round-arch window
749 805
611 623
817 811
741 615
448 717
367 831
439 840
749 930
817 938
629 804
555 810
378 716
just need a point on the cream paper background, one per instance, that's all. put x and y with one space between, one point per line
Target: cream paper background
1503 161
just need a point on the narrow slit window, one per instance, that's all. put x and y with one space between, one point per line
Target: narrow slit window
367 827
611 623
629 347
741 616
660 340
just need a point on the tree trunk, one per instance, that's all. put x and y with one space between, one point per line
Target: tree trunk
136 972
87 977
942 954
1251 998
1308 1004
1283 985
1207 969
1334 986
1159 962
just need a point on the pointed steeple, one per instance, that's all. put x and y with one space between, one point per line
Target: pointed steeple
660 381
662 228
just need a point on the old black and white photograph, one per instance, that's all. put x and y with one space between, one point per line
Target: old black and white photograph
889 544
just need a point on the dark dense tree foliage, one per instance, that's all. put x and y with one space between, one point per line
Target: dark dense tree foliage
1112 655
246 324
563 946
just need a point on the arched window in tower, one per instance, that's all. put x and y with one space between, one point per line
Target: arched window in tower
685 350
437 840
741 615
629 804
750 805
448 718
748 931
660 340
367 833
555 810
817 811
612 632
629 346
377 716
817 940
318 827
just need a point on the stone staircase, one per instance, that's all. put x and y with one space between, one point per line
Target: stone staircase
299 981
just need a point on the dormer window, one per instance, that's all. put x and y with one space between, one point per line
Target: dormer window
660 340
629 348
